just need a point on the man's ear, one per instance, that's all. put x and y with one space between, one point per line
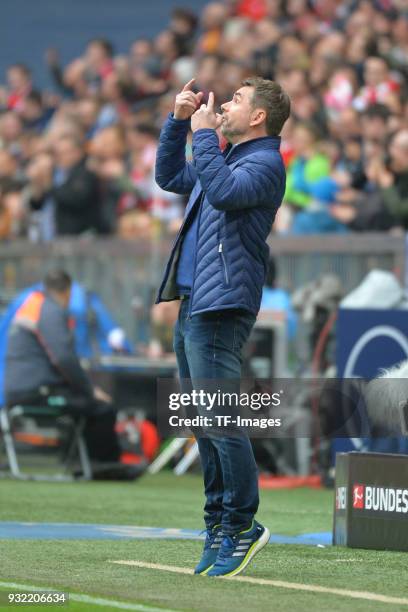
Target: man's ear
258 116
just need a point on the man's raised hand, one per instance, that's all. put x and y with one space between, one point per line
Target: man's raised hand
187 101
205 116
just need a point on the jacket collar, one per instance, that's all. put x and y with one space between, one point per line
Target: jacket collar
249 146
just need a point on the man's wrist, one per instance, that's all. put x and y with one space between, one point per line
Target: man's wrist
179 120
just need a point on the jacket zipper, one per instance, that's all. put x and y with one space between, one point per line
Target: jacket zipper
195 254
224 263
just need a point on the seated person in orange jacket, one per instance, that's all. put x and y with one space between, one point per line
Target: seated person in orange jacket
41 362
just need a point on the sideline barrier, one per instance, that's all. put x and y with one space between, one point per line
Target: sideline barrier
371 501
126 274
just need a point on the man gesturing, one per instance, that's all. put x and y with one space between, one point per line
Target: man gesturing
217 268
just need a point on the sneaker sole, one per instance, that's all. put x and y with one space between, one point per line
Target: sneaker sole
207 569
255 548
203 573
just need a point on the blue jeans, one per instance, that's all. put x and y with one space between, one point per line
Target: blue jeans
209 346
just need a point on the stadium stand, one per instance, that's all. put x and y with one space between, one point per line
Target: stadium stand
344 65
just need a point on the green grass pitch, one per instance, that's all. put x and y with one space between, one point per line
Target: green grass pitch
168 501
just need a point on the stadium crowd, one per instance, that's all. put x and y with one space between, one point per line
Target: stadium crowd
80 159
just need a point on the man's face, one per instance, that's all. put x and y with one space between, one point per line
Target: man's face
399 152
17 79
238 114
67 154
66 297
8 165
31 110
10 127
374 128
63 298
375 71
95 55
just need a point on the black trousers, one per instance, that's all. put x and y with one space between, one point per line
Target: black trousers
100 436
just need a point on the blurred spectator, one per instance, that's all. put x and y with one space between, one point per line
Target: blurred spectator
265 49
140 51
13 219
183 24
89 114
387 205
34 113
307 167
142 145
19 82
107 159
374 123
340 92
213 19
39 201
8 168
163 319
5 219
134 224
393 181
95 331
277 300
11 131
41 363
70 185
12 211
85 75
379 85
98 61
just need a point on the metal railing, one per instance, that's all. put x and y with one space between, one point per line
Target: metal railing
126 274
302 259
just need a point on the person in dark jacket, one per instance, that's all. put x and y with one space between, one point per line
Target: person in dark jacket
74 190
41 363
218 266
386 205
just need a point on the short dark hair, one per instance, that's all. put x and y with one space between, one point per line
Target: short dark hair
106 45
146 128
57 280
270 96
35 96
377 110
184 13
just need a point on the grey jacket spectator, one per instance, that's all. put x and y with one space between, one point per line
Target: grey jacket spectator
40 350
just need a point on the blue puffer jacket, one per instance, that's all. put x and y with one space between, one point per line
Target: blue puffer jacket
237 194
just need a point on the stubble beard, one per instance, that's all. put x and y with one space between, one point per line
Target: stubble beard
229 133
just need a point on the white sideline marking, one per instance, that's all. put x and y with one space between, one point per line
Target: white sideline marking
314 588
82 598
350 560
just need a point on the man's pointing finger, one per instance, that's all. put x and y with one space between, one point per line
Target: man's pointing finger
187 86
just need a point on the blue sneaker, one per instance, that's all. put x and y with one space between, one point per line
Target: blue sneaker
212 547
238 550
